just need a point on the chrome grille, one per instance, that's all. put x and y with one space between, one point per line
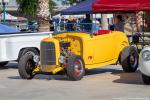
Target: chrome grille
48 56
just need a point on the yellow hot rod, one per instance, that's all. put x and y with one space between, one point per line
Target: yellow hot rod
74 52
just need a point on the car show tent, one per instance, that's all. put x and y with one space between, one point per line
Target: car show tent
4 29
84 7
7 16
120 6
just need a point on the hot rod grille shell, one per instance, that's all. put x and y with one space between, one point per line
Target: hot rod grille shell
48 54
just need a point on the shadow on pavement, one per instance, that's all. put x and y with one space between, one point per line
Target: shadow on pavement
102 70
63 77
3 67
12 65
125 78
128 78
44 77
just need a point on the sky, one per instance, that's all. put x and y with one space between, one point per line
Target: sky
57 2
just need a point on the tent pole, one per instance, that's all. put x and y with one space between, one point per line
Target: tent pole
4 11
143 29
92 26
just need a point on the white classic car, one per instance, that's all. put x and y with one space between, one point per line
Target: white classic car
13 46
144 65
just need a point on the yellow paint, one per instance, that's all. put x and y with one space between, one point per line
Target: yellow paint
52 69
57 70
37 69
97 51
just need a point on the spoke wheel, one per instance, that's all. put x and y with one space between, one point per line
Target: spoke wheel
75 68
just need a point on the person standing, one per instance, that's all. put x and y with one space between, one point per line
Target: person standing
70 24
87 23
119 23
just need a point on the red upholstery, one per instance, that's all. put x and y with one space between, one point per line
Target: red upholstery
101 32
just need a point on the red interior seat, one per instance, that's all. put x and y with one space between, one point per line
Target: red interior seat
102 32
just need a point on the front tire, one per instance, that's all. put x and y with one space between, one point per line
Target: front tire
26 66
75 68
146 79
29 51
129 59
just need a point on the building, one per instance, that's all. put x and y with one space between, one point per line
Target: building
11 6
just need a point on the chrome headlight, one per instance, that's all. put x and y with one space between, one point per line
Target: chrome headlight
36 59
146 55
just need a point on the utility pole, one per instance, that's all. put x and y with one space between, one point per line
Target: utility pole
4 2
4 11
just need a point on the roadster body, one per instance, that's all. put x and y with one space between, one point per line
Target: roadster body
73 52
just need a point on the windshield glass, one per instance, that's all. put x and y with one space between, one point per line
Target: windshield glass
76 27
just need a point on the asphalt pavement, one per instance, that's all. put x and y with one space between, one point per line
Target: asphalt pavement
107 83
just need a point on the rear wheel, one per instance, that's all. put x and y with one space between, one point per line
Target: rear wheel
129 59
146 79
75 68
26 66
3 63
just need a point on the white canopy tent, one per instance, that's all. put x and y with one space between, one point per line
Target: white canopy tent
67 16
7 16
80 16
6 1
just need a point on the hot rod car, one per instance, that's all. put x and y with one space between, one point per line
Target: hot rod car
73 52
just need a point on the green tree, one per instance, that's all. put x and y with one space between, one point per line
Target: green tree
37 8
29 7
70 2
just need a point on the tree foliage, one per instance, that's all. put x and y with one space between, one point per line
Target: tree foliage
29 7
70 2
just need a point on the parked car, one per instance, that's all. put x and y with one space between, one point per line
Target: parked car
144 65
33 26
14 46
73 52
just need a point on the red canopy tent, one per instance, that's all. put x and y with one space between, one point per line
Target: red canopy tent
120 5
110 6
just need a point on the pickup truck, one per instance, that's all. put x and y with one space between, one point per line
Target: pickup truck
14 46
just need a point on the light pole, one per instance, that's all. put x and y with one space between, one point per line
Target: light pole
4 10
4 2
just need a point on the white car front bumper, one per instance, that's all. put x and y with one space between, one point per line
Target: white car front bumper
144 66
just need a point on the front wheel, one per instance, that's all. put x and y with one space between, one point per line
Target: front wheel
129 59
146 79
26 66
75 68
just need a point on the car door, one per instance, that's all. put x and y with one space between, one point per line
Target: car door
103 47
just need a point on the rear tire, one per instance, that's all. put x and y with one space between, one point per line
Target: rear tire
26 66
75 68
3 63
146 79
129 59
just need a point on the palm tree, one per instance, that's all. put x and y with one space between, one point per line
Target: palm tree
39 9
43 15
